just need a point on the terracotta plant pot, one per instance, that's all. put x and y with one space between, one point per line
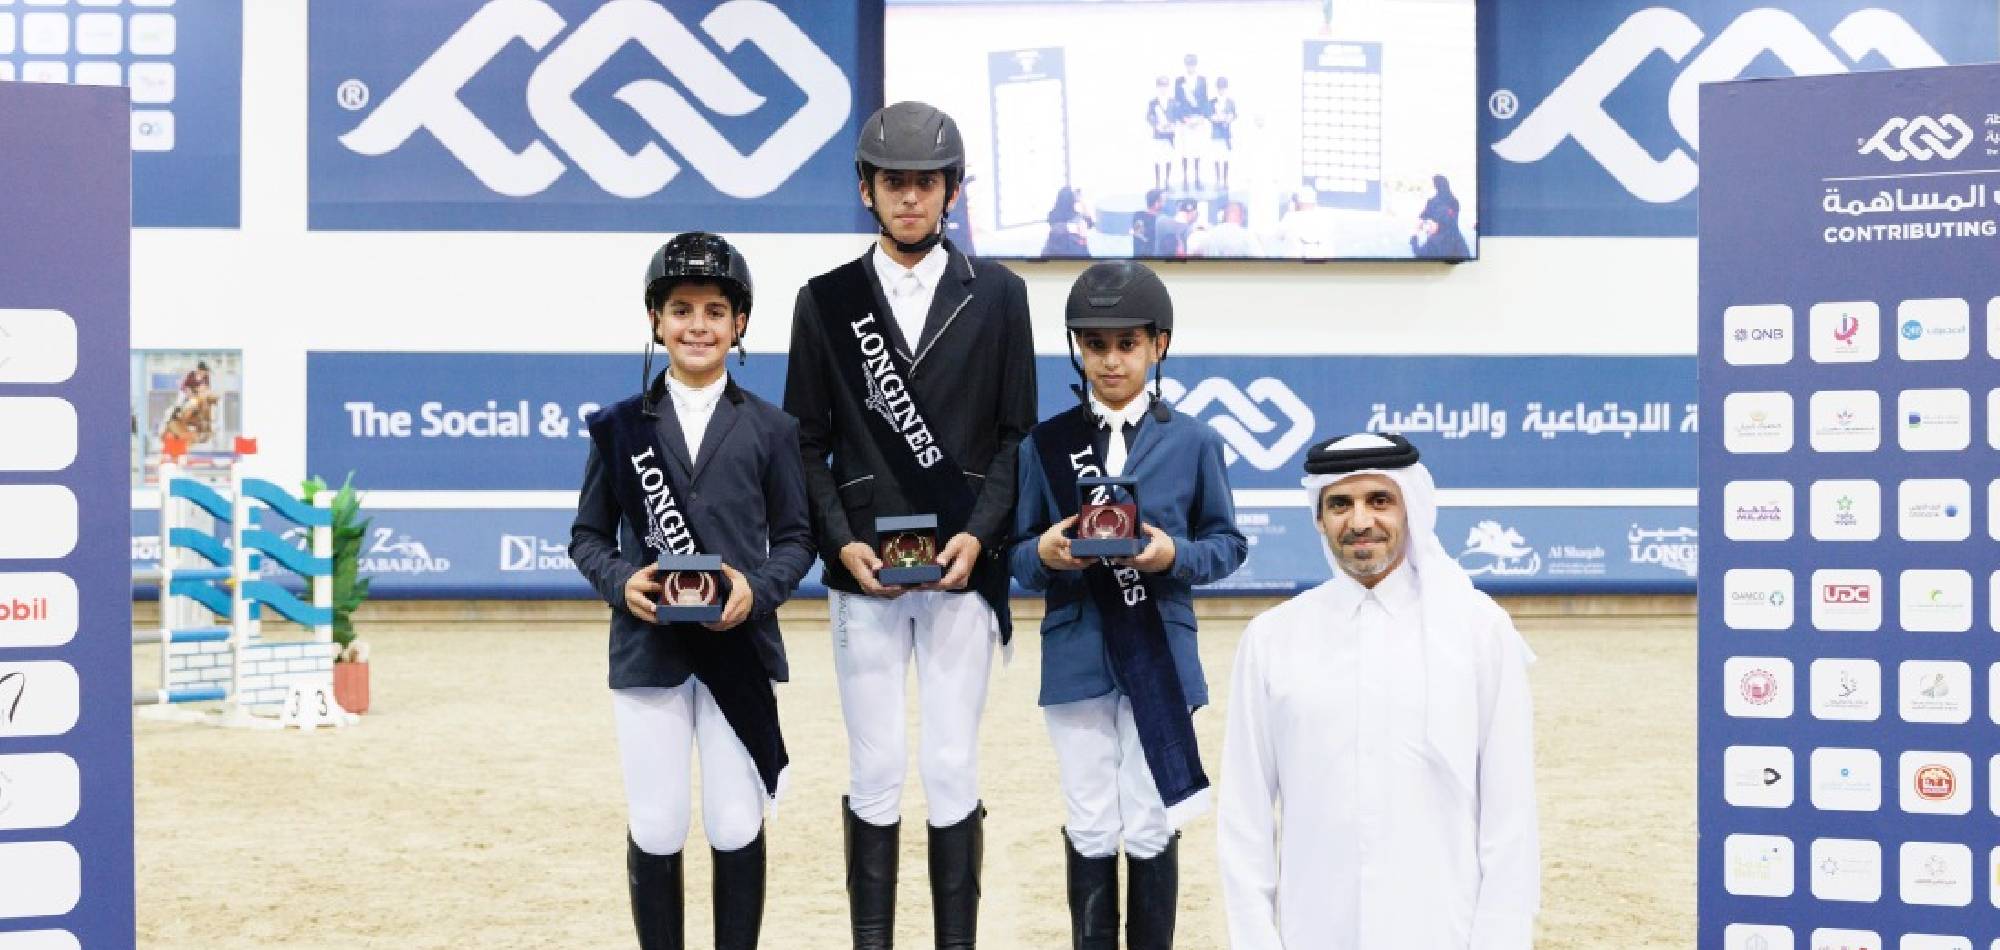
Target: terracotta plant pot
350 686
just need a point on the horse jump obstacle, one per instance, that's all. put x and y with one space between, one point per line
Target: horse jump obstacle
203 578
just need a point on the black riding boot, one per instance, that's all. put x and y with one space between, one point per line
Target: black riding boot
1093 900
871 880
1152 895
739 896
655 880
956 852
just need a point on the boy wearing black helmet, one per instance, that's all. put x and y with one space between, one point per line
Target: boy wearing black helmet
912 376
1120 673
694 465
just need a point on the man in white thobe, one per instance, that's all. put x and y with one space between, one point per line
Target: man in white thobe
1377 785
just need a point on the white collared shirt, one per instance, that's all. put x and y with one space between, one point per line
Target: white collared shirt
694 407
910 289
1123 423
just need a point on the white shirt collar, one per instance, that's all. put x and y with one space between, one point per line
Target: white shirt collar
1130 415
696 398
928 270
1397 593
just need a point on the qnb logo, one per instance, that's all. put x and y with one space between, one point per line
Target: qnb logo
1846 593
1243 425
1922 138
430 99
1575 109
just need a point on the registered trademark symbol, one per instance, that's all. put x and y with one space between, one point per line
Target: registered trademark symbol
1503 104
352 95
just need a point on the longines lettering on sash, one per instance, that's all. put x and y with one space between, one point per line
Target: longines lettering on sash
890 395
669 529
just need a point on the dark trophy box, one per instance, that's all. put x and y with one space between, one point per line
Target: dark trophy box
692 588
908 549
1107 527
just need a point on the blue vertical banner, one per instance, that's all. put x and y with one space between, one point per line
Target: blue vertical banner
1849 356
65 618
589 115
1588 124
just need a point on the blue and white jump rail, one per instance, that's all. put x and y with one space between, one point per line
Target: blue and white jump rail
212 591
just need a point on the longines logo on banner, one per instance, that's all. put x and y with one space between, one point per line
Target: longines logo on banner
1576 108
1920 138
432 98
529 553
392 553
1676 549
1244 426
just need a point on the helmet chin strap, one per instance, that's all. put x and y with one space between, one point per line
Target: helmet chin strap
924 244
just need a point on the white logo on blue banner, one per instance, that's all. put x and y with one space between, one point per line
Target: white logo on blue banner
1596 136
1846 869
431 100
1920 138
1248 432
1846 689
1845 332
1846 779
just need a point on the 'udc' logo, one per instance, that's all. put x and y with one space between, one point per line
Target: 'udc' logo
431 99
1242 424
391 553
1846 593
1576 107
1922 138
530 553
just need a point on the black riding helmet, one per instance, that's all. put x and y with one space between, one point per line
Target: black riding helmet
1115 295
694 255
911 137
699 255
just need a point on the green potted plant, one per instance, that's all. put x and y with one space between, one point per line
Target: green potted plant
350 662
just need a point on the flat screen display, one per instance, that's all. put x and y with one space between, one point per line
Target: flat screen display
1167 129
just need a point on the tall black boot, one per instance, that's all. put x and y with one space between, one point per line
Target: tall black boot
656 885
956 852
871 880
1093 900
739 896
1152 896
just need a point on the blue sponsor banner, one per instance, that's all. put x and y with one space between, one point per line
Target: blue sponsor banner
482 422
1588 119
589 115
1848 346
462 421
184 66
524 552
65 662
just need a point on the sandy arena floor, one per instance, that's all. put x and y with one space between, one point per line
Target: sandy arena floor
479 805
